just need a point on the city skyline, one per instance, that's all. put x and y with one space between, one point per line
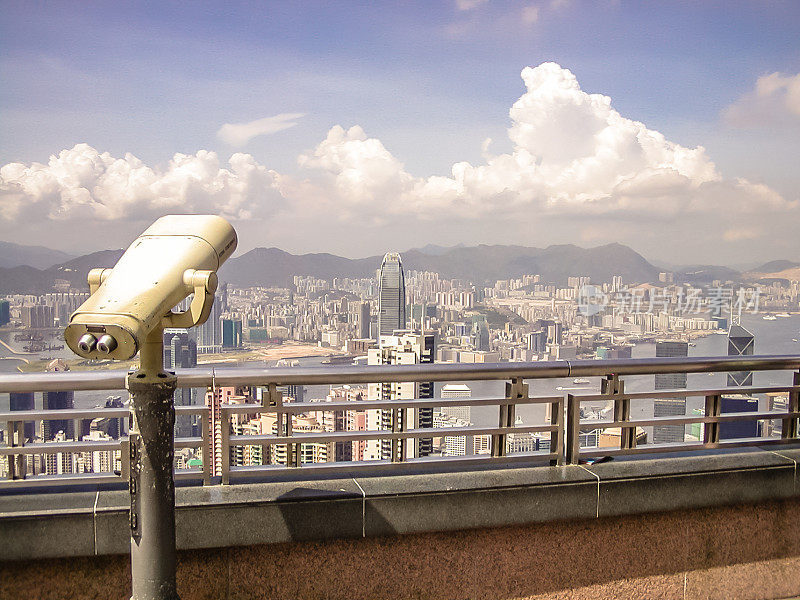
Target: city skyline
395 127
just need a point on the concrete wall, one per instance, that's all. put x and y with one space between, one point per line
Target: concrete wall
746 551
700 526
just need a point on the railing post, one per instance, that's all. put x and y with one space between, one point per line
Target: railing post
225 436
398 426
613 386
515 389
125 460
711 429
557 436
789 425
573 427
293 451
206 451
15 431
272 399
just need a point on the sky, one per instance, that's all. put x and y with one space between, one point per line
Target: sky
358 128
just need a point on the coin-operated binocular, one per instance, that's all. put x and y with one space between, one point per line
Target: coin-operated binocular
176 256
126 313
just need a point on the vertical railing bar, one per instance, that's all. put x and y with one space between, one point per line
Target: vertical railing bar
206 449
556 437
225 433
274 400
712 411
125 459
789 427
293 458
573 429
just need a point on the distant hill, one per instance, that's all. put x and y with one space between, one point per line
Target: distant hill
775 266
434 250
38 257
482 264
783 270
25 279
274 267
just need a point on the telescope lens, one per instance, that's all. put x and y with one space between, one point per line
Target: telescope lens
106 344
87 342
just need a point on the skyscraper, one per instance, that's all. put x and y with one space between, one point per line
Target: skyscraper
392 298
209 334
5 312
670 407
740 343
180 352
364 318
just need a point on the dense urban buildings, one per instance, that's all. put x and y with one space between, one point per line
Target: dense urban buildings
428 317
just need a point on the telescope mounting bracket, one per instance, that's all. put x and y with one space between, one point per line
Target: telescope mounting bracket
203 284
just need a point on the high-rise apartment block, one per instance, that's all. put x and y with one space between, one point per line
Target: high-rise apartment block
58 401
670 407
405 348
24 401
456 390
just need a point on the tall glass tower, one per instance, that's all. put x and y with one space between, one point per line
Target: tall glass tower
392 300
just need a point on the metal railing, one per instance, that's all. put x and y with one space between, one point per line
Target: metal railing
561 429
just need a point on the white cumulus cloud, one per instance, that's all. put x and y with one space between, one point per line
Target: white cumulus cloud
83 183
238 134
774 100
573 154
575 165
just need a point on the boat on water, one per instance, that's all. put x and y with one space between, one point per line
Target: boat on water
580 381
770 318
783 315
338 360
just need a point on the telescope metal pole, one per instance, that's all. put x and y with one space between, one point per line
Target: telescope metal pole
152 487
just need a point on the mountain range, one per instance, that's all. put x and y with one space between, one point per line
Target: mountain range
272 267
39 257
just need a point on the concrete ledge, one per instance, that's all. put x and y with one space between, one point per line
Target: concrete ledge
96 523
742 552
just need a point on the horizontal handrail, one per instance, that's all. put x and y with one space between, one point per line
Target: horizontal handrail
66 414
203 377
689 392
679 446
587 425
384 434
346 405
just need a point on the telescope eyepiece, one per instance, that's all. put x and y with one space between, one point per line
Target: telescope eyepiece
87 343
106 344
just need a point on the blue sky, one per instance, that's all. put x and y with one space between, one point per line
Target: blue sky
430 80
